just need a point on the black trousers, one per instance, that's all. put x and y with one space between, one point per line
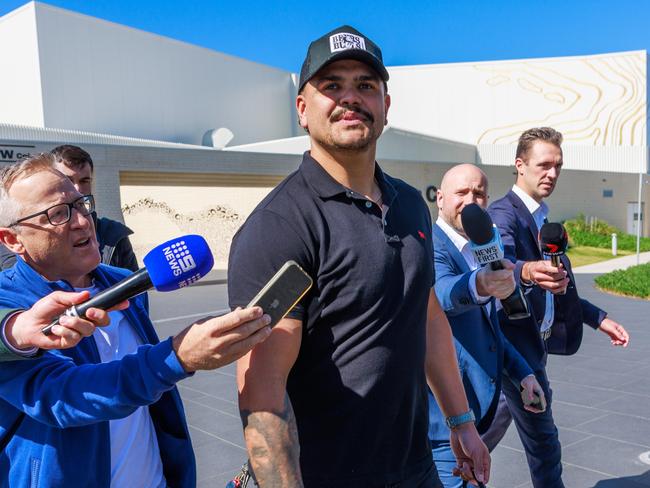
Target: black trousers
427 478
537 432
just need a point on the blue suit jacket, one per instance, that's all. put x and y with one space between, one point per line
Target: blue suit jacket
483 352
520 241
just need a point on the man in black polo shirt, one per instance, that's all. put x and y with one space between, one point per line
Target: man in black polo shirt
337 395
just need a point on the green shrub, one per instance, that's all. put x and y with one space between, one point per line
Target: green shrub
634 281
581 234
599 227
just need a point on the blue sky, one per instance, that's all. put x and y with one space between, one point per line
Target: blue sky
409 32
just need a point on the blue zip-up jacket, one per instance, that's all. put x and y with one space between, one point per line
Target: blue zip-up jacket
54 410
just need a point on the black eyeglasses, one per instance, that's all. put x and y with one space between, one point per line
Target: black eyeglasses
60 214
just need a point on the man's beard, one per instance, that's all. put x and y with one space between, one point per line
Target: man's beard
358 144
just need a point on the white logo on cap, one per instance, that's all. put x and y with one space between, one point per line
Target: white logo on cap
344 41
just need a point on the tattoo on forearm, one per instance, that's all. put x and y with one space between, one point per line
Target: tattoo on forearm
273 447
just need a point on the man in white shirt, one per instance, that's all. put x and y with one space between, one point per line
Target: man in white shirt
557 312
467 294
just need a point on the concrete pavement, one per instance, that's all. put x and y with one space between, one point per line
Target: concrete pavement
600 406
601 398
623 262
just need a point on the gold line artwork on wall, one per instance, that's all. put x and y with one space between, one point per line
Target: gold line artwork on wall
606 109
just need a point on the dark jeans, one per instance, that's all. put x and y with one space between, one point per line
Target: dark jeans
499 426
537 432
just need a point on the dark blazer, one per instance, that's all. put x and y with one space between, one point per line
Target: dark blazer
482 351
114 245
520 241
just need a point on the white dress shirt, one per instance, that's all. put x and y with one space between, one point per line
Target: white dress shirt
135 455
539 211
463 247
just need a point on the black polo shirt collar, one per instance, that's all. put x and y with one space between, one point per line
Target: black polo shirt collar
325 186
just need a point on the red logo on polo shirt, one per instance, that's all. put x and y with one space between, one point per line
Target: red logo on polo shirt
422 236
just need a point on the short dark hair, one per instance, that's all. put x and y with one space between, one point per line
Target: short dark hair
72 156
529 137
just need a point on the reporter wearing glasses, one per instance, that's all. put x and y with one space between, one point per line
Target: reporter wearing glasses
61 213
112 236
71 332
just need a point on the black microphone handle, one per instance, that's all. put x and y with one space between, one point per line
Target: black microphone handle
496 265
131 286
555 261
515 306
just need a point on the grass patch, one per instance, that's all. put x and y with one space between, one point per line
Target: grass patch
583 255
600 235
634 281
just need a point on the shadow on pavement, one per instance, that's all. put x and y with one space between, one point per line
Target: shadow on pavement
641 481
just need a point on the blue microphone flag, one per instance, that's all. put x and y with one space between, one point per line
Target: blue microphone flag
179 262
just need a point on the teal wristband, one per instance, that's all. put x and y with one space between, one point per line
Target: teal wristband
455 421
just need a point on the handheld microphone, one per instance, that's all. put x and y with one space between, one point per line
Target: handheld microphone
174 264
486 245
553 241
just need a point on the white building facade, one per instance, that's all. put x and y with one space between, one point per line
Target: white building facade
142 105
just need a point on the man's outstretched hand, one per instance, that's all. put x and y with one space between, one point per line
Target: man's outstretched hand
23 331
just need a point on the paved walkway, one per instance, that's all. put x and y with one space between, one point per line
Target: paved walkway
612 264
600 404
601 401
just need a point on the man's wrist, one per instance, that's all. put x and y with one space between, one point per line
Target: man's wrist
177 342
531 375
11 338
10 341
456 421
476 287
526 279
601 322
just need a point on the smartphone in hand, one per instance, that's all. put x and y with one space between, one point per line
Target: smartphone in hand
283 291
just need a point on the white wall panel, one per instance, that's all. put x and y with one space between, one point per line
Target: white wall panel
103 77
20 82
593 100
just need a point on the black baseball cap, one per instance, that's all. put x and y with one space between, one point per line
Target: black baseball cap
344 42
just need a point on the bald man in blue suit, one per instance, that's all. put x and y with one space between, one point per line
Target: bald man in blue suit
467 295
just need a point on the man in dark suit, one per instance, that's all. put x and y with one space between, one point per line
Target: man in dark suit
557 312
467 294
